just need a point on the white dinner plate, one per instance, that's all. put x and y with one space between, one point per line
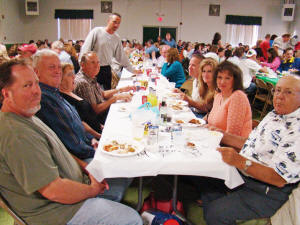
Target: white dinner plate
122 147
178 102
123 109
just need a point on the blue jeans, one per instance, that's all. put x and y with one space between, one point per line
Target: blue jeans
99 211
117 187
252 200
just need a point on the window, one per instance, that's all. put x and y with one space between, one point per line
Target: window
73 29
245 34
73 24
242 29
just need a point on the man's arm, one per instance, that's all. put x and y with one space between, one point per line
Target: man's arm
88 44
66 191
234 141
99 108
109 93
91 130
256 170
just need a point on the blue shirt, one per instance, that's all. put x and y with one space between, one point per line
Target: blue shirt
297 64
174 72
151 49
286 65
171 43
64 120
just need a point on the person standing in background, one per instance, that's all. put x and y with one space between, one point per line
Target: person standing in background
107 45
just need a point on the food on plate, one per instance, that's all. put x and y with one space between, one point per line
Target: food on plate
123 148
179 121
190 144
194 121
177 107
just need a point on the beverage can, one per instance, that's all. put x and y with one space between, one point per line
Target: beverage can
144 99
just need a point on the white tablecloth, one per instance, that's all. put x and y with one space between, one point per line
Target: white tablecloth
206 162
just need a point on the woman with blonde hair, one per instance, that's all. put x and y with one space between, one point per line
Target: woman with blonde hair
202 97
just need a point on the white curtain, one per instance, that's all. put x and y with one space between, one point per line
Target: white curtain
245 34
73 29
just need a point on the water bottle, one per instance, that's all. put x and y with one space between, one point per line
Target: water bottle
177 134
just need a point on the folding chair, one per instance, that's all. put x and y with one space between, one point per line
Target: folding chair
4 204
262 94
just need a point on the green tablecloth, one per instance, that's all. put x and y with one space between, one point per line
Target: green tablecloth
267 79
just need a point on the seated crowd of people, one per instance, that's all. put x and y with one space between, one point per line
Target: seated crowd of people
54 109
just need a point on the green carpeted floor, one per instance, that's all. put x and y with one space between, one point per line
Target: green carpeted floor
5 219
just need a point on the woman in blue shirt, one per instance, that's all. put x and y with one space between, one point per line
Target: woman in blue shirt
173 69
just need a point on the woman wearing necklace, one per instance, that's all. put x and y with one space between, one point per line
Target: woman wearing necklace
84 109
231 110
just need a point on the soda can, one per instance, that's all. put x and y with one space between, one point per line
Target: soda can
144 99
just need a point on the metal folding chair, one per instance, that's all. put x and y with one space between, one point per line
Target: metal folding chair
4 204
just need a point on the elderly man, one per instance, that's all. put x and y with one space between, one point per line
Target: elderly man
56 112
163 56
39 178
64 120
88 89
269 158
107 45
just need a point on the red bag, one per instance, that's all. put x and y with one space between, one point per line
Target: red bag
165 206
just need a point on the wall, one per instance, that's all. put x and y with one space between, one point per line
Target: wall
197 25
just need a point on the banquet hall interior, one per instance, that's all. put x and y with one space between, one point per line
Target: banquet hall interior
32 25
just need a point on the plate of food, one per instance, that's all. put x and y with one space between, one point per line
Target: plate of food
174 95
179 108
121 148
189 122
178 102
123 109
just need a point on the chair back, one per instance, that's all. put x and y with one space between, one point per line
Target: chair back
261 84
4 204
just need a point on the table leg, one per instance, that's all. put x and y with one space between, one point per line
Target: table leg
174 203
140 195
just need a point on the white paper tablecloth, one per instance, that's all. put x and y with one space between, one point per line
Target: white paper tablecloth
207 162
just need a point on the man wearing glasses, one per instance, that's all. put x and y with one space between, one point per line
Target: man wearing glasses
269 161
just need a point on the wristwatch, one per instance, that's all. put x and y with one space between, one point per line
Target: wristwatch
248 163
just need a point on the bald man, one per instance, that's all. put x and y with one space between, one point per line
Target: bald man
269 160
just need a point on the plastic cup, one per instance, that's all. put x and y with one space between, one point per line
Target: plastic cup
172 85
137 131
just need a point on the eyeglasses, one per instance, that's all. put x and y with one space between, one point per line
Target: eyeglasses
285 93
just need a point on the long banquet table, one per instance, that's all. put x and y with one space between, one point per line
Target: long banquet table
177 161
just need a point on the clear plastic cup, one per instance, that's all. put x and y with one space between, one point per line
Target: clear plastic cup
137 131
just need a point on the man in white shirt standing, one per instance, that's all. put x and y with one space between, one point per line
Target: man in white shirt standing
107 45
